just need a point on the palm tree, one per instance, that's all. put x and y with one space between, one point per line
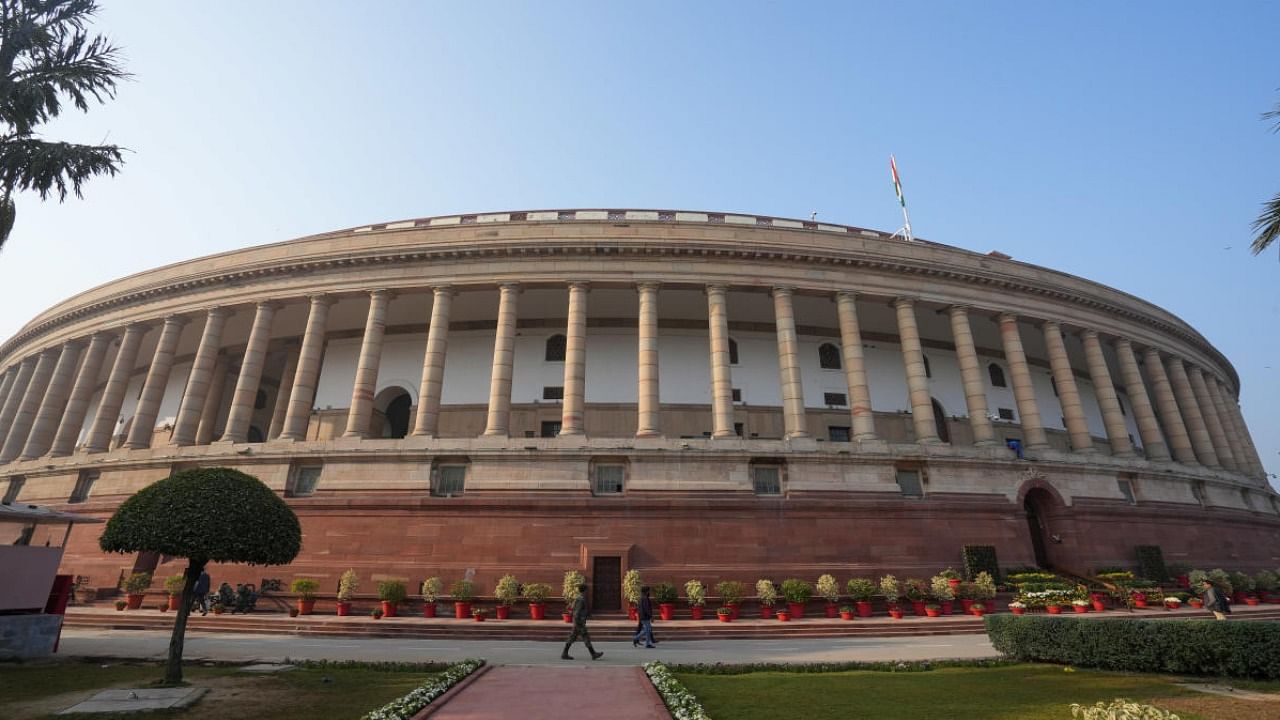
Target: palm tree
46 58
1268 223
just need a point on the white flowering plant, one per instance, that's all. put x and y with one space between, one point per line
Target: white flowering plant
683 704
1120 709
410 704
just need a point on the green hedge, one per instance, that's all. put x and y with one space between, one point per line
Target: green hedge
1194 647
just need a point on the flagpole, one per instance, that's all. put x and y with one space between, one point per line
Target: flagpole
902 200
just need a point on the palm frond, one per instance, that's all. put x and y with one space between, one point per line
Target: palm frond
47 167
1267 225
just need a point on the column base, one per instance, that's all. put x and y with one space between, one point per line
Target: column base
723 435
648 433
571 433
353 435
866 437
988 443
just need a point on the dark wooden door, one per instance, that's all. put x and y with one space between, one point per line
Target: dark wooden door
606 584
1036 527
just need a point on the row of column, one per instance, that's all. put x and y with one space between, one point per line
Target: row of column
45 399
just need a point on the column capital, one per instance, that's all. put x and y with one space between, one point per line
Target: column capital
1052 324
716 289
269 304
322 299
381 292
1090 334
904 301
785 290
218 311
1007 317
850 294
176 320
1151 353
441 290
649 285
510 286
954 310
579 285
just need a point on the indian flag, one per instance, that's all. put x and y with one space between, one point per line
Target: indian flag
897 183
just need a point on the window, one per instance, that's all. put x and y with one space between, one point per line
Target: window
84 484
766 479
829 357
608 479
736 394
255 435
909 483
553 392
835 399
555 348
928 371
997 375
448 480
733 351
550 428
15 487
738 429
1005 414
1126 489
305 480
838 433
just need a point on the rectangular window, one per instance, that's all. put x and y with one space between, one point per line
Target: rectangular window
737 395
909 483
766 479
550 428
305 480
15 487
1005 414
835 399
1126 489
84 484
738 429
553 392
608 479
449 480
838 433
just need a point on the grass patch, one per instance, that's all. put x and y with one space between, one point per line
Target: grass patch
37 692
1018 692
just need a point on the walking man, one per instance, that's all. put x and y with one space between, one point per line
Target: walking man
1214 600
201 592
580 626
645 613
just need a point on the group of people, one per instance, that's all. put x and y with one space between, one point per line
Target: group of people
644 624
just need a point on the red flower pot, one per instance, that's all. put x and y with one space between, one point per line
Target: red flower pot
461 610
917 607
895 613
1172 606
931 612
733 609
864 608
537 611
796 610
632 613
344 609
1099 606
479 617
846 616
1080 609
1197 604
1053 609
784 616
504 612
1139 602
388 609
1251 601
965 604
568 617
766 612
947 607
978 613
428 609
725 618
696 612
175 602
953 583
666 611
133 602
832 610
1238 597
1017 611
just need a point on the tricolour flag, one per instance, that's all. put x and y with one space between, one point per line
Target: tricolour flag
897 183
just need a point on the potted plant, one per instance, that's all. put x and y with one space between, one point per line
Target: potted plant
376 613
783 615
1098 601
766 595
348 584
135 589
724 614
173 585
536 594
828 590
391 593
967 593
916 592
121 605
479 614
697 595
932 610
1195 602
892 592
953 580
217 607
978 609
306 590
431 589
984 589
462 592
1172 602
846 612
797 593
1265 583
1052 607
731 592
861 591
1017 607
940 586
1080 606
665 595
631 584
507 591
569 591
1139 598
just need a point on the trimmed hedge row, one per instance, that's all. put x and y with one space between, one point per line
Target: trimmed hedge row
1193 647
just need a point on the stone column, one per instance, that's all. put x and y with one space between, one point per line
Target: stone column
1068 394
6 382
647 402
54 402
1252 462
975 390
64 440
26 414
721 375
855 368
144 420
504 346
917 380
193 398
1170 417
1105 391
213 402
575 363
246 393
104 422
1024 394
304 380
1200 440
18 390
1153 443
1260 470
793 416
1228 424
433 360
1212 422
281 405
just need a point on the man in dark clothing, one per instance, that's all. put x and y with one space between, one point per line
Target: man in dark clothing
580 626
201 592
645 614
1214 600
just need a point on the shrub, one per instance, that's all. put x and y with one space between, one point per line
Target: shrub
950 574
536 592
984 587
766 593
796 590
665 593
1151 563
173 584
860 589
1222 579
696 593
631 584
137 583
1194 647
507 590
348 584
1266 581
730 591
980 558
391 591
431 589
890 588
940 588
462 590
915 589
569 588
828 589
1241 582
1120 709
305 588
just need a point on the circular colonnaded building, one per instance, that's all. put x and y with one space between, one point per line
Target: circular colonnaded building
688 394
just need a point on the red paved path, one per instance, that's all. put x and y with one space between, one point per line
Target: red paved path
557 693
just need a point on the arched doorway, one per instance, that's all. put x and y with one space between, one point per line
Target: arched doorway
1036 505
940 421
392 408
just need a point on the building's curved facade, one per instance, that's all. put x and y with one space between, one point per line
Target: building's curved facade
689 394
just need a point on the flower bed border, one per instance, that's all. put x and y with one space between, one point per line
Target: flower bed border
682 703
415 700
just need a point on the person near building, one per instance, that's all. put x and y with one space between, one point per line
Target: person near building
580 627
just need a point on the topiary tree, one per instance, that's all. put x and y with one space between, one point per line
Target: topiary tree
204 515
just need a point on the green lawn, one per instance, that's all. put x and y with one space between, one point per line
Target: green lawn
1016 692
38 692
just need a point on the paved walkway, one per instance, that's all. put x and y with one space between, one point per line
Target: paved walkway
534 693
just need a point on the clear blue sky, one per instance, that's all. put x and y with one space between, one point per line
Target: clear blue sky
1117 141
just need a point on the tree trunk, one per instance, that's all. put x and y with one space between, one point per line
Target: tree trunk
173 672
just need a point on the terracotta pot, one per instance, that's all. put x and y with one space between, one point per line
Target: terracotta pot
478 617
832 610
733 607
1197 604
978 613
1099 606
568 617
537 611
953 583
133 602
1139 603
917 607
864 608
306 607
666 611
461 610
796 610
1017 611
1252 601
632 613
766 612
1172 606
428 609
175 602
503 612
1080 609
846 615
931 612
947 607
696 612
1053 609
389 609
784 616
344 609
219 610
965 604
1238 597
895 613
725 618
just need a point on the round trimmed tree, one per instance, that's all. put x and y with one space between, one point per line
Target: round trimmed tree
204 515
